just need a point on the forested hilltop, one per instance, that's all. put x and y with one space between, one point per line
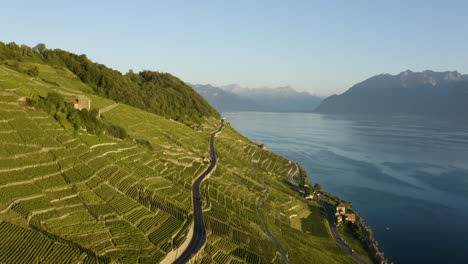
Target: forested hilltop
156 92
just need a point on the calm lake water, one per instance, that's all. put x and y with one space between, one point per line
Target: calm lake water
408 177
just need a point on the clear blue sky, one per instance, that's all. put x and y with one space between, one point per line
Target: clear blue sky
310 45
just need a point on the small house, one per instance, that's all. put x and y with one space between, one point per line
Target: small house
262 146
339 219
350 218
74 102
82 102
340 209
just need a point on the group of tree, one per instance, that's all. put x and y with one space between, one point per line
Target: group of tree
156 92
32 71
69 116
306 185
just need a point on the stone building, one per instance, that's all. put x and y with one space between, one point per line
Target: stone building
350 218
82 102
340 209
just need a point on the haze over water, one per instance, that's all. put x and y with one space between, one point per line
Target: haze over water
408 177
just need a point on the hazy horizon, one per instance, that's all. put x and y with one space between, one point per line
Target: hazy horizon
315 46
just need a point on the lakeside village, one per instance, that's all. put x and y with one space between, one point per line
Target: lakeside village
342 212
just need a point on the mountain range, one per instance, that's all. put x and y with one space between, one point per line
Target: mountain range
427 93
236 98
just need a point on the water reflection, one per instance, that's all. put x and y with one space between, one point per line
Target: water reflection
407 173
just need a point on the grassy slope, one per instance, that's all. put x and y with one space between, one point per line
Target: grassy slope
355 243
132 205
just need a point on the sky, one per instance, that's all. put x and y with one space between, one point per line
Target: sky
310 45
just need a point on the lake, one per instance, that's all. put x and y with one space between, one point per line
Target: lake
406 176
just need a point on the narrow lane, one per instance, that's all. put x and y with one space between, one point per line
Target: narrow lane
259 212
329 210
107 108
291 175
267 230
199 232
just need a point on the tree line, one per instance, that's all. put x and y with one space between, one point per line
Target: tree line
156 92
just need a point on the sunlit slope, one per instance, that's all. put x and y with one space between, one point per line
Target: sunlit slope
235 231
156 92
95 199
101 196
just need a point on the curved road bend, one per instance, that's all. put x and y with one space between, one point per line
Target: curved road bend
331 220
291 175
199 231
267 230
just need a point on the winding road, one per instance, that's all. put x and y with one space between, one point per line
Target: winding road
291 175
199 232
259 212
329 210
336 235
267 230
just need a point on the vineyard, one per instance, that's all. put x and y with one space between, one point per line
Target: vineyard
90 198
73 197
235 231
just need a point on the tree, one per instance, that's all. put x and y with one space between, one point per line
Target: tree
318 187
33 71
308 190
55 101
39 48
75 119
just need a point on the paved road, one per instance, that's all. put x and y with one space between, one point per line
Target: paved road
199 231
267 230
336 235
329 210
291 175
259 212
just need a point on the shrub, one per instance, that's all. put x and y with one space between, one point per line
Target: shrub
68 116
32 71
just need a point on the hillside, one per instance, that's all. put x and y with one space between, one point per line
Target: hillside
160 93
236 98
428 93
69 194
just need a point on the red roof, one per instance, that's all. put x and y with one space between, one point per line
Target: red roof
74 101
351 216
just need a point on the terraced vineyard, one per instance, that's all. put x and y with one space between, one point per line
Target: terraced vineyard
76 197
235 230
94 195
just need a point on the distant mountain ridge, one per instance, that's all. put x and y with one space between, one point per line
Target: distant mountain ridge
427 93
223 100
236 98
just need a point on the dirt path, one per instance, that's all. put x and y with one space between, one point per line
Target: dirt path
107 108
